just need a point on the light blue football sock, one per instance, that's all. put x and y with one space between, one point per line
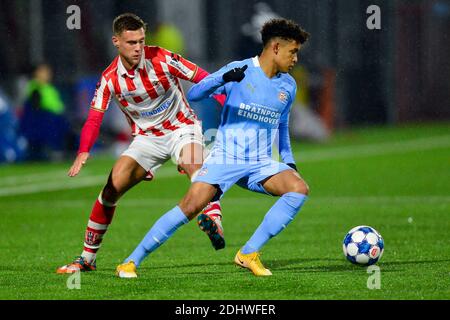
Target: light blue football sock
162 230
276 219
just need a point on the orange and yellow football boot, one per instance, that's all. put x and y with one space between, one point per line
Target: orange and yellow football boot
252 262
78 265
126 270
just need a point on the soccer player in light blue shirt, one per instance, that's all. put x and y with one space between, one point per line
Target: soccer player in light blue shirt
259 94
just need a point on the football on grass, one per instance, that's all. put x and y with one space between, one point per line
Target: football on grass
363 245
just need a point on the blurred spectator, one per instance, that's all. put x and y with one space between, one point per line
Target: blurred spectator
305 123
168 36
12 145
42 122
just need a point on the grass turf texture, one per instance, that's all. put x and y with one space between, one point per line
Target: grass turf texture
383 177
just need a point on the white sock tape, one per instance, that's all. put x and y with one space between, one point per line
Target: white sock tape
105 203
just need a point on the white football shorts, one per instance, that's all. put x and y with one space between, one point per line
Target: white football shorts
151 151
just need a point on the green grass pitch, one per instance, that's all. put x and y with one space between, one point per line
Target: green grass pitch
394 179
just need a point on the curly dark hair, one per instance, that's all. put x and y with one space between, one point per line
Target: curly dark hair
128 21
285 29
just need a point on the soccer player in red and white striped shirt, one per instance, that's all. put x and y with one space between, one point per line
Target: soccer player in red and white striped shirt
144 80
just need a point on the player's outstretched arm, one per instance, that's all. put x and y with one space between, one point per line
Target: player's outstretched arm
89 134
205 88
79 162
211 83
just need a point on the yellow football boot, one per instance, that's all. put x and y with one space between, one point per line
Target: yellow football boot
126 270
251 261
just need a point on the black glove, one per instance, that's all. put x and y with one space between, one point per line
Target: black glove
293 166
236 74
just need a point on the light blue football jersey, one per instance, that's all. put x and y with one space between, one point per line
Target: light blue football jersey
255 114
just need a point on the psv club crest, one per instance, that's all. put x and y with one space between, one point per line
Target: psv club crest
283 97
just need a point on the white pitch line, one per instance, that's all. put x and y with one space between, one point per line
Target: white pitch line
73 183
349 152
151 201
33 177
53 186
47 176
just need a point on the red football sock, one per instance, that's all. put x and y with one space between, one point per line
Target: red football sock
101 217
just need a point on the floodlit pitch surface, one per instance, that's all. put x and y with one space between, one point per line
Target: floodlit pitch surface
394 179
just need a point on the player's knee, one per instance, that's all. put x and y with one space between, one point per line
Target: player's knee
300 187
190 208
114 188
120 180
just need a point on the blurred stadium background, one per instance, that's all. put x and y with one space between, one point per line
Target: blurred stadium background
371 135
349 75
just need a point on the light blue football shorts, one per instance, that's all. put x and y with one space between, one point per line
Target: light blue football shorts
224 172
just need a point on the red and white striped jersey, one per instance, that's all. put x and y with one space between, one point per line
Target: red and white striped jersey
150 96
